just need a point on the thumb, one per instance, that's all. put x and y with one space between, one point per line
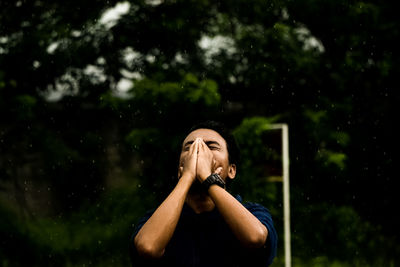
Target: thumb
218 170
180 172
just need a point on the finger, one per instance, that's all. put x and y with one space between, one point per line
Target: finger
206 149
196 146
202 145
192 147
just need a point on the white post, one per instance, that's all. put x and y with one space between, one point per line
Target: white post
286 193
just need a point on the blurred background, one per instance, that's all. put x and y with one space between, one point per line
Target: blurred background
97 96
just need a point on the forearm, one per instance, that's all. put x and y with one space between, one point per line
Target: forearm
245 226
155 234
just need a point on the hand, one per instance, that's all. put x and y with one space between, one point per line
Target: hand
205 162
188 165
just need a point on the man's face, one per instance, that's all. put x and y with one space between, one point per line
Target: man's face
217 145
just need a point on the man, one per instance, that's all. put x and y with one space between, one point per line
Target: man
200 223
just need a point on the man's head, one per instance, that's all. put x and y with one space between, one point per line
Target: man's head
221 143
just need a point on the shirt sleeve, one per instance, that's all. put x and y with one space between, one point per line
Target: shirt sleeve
264 216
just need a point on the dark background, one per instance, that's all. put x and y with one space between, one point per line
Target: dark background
82 159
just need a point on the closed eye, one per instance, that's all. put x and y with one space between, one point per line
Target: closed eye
213 145
187 145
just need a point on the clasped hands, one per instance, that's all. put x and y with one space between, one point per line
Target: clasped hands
199 162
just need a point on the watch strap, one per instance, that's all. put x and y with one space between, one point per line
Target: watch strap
213 179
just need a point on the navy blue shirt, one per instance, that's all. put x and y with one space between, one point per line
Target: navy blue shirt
206 240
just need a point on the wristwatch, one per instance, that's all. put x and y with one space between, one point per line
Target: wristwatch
213 179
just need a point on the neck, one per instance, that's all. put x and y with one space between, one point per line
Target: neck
200 202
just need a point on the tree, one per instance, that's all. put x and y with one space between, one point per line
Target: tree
88 104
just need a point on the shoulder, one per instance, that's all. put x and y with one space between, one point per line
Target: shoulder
261 212
252 206
256 208
264 216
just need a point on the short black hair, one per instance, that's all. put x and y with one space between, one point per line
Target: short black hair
221 129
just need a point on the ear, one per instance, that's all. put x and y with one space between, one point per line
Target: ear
232 171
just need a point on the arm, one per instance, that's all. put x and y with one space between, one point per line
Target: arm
156 233
244 225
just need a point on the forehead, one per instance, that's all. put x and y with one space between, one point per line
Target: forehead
206 135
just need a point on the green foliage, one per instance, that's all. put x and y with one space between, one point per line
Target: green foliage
351 240
254 171
330 143
250 135
57 152
143 139
188 91
25 107
13 239
97 234
332 158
